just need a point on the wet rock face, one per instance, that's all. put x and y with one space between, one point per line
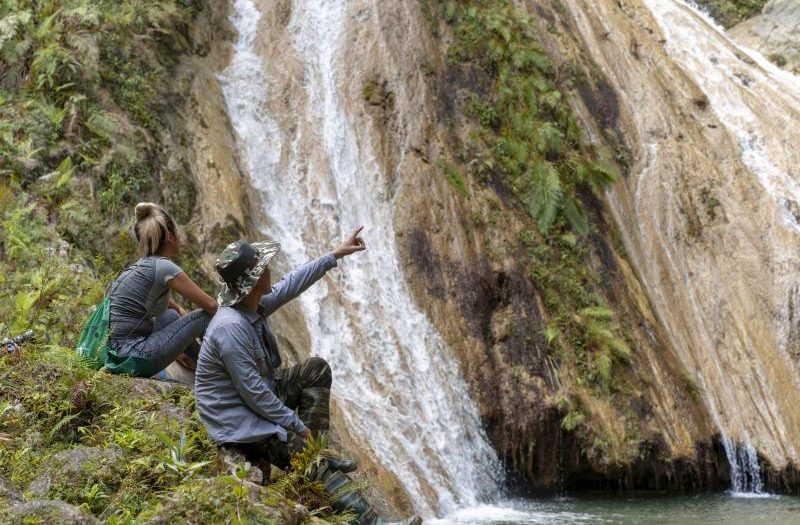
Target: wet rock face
697 228
703 213
775 33
74 467
47 511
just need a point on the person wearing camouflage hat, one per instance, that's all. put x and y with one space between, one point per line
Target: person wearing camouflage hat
246 400
242 265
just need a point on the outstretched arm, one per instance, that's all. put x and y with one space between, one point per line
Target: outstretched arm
297 281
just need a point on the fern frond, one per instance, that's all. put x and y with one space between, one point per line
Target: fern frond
600 313
547 195
576 216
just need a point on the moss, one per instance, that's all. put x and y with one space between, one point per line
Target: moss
216 500
731 12
710 202
453 176
376 93
526 136
778 59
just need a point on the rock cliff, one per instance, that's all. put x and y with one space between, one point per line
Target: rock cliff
690 248
576 221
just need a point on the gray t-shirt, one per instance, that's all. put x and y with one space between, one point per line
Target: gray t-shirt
139 294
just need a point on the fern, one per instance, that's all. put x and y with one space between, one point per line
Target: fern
572 420
602 174
551 140
547 195
603 364
575 215
600 313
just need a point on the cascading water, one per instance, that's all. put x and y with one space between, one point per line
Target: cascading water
745 470
400 390
717 66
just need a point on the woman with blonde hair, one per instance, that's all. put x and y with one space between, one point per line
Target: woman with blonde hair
148 330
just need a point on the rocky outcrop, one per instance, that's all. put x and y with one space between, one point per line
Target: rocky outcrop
692 245
47 511
74 466
459 248
706 211
7 493
201 146
775 33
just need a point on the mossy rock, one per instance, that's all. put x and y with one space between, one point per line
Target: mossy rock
731 12
66 473
8 495
217 500
46 512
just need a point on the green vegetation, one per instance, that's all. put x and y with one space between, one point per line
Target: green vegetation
527 132
83 94
86 88
731 12
582 326
453 175
157 459
778 59
154 459
526 135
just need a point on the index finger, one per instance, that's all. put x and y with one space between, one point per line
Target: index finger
355 234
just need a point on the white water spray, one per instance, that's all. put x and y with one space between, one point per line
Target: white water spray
745 470
400 390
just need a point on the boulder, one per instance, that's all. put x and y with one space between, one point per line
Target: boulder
47 511
775 33
74 467
8 495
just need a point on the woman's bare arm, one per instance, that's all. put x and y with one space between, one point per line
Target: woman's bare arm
175 306
183 285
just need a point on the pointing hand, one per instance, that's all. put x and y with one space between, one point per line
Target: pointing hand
351 245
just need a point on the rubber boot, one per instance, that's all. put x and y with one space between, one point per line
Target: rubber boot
342 465
345 496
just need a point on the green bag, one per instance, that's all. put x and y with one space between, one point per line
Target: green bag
92 346
132 366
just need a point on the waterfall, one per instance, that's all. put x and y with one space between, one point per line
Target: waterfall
400 390
740 85
745 470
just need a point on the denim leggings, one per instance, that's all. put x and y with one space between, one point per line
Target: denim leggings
171 336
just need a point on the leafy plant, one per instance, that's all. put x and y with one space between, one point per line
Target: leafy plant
731 12
528 133
176 461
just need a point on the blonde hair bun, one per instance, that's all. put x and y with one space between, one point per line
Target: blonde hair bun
152 225
144 210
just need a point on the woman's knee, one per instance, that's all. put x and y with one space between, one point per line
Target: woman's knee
168 317
321 370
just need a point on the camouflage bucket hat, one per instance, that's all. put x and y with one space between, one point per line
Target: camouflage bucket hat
240 265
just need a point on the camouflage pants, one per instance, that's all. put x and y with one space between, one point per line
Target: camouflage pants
306 388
